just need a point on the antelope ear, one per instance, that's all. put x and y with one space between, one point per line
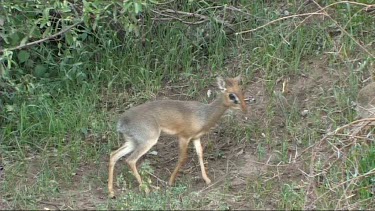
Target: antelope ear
221 84
238 78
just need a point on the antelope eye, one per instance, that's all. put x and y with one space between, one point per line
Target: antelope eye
233 98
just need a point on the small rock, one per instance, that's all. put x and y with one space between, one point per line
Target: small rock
305 112
209 93
153 153
239 153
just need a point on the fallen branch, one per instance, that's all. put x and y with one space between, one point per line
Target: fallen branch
371 172
176 18
197 15
41 40
341 28
341 153
280 19
336 132
189 14
368 7
352 123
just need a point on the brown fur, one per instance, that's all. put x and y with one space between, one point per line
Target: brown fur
366 101
188 120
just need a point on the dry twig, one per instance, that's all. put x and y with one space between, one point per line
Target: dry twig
41 40
341 151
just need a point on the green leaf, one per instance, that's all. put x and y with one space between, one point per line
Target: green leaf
137 7
127 5
15 38
24 41
83 36
30 64
86 20
47 32
69 38
23 56
40 70
95 22
9 108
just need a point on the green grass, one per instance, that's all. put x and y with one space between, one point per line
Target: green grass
59 108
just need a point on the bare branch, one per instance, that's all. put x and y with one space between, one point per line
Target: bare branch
41 40
199 16
280 19
176 18
342 29
307 14
189 14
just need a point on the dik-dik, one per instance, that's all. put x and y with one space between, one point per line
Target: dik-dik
142 125
366 100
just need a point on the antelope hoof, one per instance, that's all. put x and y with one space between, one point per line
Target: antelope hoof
111 195
208 181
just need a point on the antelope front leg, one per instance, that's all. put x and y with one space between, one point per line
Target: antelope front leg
198 148
183 144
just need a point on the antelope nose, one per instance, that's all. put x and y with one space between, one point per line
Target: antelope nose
244 108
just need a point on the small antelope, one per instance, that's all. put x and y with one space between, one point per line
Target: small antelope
142 125
366 100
